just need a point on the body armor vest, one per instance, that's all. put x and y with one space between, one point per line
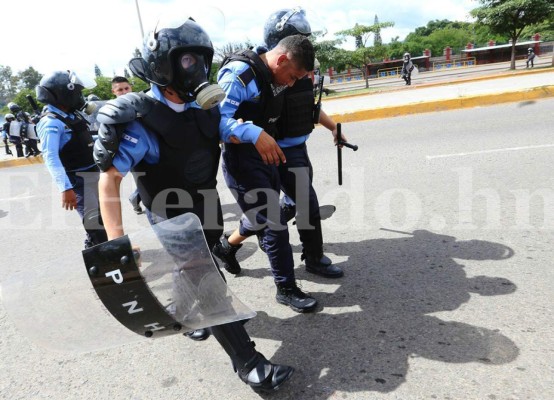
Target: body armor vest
77 152
298 110
267 111
189 157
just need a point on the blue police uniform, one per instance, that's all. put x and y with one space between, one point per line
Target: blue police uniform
244 169
68 156
140 149
295 127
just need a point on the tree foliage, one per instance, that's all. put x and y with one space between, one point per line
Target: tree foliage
510 17
363 55
29 78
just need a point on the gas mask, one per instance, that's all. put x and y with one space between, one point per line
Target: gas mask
190 81
89 107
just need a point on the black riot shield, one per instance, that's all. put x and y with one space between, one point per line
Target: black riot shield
156 282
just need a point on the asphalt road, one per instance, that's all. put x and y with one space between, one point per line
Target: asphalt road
444 228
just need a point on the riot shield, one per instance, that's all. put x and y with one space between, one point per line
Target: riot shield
156 282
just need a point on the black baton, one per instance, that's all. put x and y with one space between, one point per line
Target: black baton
340 143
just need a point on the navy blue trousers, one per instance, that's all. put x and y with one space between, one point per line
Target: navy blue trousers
256 187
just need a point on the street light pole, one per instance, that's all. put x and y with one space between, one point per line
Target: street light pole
140 19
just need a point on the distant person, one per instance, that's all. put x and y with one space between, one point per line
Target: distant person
407 68
121 86
530 57
31 138
5 140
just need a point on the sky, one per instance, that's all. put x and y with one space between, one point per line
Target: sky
76 34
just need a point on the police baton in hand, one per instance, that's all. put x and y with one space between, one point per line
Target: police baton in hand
341 143
34 106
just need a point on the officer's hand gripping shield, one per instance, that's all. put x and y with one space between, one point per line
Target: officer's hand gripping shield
156 282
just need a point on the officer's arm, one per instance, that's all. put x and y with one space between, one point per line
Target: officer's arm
328 123
235 93
110 202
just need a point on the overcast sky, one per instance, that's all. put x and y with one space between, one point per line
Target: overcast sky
75 34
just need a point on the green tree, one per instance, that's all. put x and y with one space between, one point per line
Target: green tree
21 100
510 17
362 56
97 71
377 40
8 85
29 78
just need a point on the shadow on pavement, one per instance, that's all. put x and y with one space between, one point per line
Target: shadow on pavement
380 317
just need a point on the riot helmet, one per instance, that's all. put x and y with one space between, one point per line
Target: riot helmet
61 88
406 57
92 97
14 107
9 117
285 22
179 55
530 50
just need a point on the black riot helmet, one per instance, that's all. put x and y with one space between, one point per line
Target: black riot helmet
61 88
285 22
179 55
14 107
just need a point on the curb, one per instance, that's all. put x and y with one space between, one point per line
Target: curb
21 161
447 104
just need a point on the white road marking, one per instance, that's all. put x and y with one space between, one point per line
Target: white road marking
540 146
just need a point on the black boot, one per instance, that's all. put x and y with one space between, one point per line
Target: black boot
323 266
252 367
226 252
291 295
198 334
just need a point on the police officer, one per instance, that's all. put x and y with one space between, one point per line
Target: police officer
67 149
294 127
254 85
407 68
530 57
12 128
4 128
173 151
31 138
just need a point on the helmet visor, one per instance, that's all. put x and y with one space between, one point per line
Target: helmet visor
297 17
87 82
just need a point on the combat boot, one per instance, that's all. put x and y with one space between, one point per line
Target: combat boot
322 266
263 376
291 295
252 367
226 252
198 334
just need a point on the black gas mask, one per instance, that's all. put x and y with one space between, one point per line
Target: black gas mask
190 80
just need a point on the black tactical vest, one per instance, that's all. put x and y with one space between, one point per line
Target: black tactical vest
267 111
189 158
298 110
77 152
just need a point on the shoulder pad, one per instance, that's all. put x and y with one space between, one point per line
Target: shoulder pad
106 145
125 108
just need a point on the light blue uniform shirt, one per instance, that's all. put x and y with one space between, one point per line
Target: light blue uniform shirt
236 93
138 143
54 135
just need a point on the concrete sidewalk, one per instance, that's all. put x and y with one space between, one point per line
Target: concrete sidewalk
526 85
472 92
